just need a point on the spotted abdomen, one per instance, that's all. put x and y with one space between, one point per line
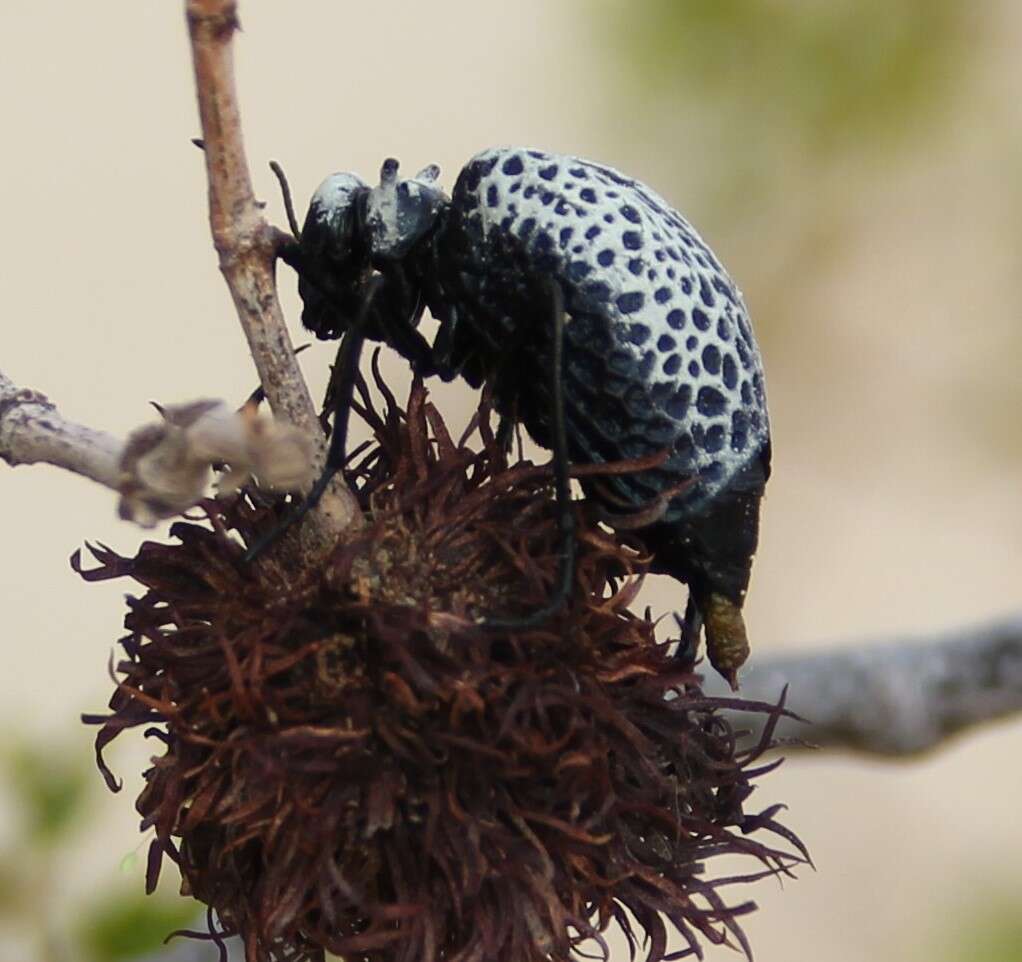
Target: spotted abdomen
659 351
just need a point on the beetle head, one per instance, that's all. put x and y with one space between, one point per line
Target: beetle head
399 213
332 228
333 261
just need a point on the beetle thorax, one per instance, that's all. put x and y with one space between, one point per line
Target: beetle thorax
399 213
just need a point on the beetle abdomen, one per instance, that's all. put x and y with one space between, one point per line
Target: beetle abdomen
658 346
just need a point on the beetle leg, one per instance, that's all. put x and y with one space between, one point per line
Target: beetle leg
691 626
342 386
562 483
443 344
397 320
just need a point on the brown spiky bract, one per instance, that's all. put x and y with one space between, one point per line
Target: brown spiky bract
350 763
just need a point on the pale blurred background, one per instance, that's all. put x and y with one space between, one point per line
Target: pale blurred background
855 163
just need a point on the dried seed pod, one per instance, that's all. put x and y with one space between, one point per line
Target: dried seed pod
350 764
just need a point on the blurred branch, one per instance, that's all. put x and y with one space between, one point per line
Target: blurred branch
898 697
162 468
33 431
248 246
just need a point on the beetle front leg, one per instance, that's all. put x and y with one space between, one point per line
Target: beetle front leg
342 383
562 479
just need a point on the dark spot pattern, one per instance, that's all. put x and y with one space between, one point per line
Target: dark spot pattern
683 446
713 440
705 293
513 166
730 372
714 471
637 334
620 362
711 359
660 392
634 273
743 355
579 270
710 402
677 406
636 401
724 289
630 302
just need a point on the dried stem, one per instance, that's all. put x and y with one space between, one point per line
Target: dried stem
33 431
894 697
247 245
162 468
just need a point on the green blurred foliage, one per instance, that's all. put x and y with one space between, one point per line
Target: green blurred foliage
828 73
774 113
130 925
52 789
50 786
993 934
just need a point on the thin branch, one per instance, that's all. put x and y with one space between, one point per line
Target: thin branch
33 431
896 697
248 246
162 468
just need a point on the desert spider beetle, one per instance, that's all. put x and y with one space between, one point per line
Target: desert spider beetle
603 322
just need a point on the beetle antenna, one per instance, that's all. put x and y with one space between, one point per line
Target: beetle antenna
289 207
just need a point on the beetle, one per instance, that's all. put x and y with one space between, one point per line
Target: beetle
601 319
